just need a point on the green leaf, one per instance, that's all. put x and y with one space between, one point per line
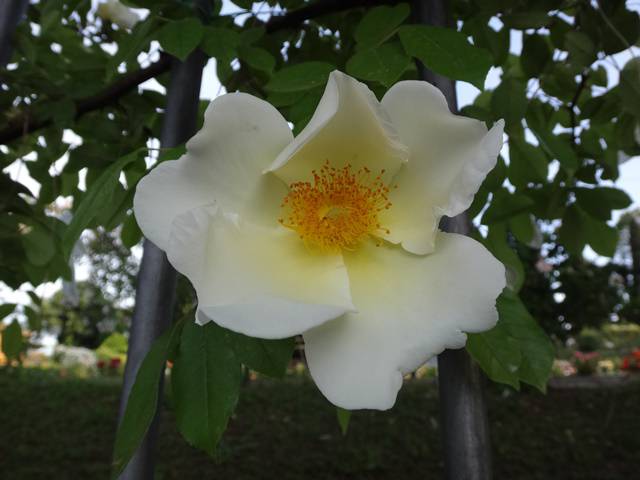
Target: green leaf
509 101
270 357
132 45
525 20
582 51
505 205
601 200
535 346
579 228
497 353
98 195
303 76
344 416
523 227
527 163
496 242
181 37
447 52
206 378
384 64
558 147
380 23
34 320
536 54
257 58
39 244
630 87
12 343
221 43
143 399
130 233
6 309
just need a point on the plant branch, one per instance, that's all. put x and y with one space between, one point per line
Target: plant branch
24 124
572 106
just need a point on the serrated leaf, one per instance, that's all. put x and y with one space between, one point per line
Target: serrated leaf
379 23
536 348
205 380
497 353
143 400
221 43
270 357
97 195
447 52
300 77
384 64
181 37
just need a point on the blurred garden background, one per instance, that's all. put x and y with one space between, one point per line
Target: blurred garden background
561 210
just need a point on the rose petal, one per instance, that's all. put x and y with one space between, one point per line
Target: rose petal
409 309
348 127
450 157
224 162
255 280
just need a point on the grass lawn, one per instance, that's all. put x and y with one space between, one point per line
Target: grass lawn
54 428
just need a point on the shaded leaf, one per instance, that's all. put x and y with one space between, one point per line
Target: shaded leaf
206 378
447 52
12 343
181 37
303 76
143 399
270 357
384 64
379 23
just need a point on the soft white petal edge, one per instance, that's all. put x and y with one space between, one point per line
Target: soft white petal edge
410 308
450 157
256 280
241 136
349 126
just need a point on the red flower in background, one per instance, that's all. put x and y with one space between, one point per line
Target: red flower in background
114 363
101 364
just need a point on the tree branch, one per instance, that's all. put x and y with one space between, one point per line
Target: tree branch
24 124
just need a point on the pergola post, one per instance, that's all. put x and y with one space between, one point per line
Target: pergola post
463 412
155 292
11 12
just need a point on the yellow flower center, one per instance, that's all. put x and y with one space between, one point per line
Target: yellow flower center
338 209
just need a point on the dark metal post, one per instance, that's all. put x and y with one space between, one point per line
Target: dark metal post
11 12
155 293
463 412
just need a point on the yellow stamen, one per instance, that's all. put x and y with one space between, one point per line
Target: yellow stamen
338 209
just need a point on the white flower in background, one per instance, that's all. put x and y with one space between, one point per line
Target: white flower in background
116 12
333 234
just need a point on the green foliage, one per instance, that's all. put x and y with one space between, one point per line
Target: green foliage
143 399
12 342
555 97
589 340
301 77
205 380
447 52
181 37
516 349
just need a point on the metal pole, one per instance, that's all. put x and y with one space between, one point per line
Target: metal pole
11 12
463 412
155 293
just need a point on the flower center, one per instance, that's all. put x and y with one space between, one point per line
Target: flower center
338 209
